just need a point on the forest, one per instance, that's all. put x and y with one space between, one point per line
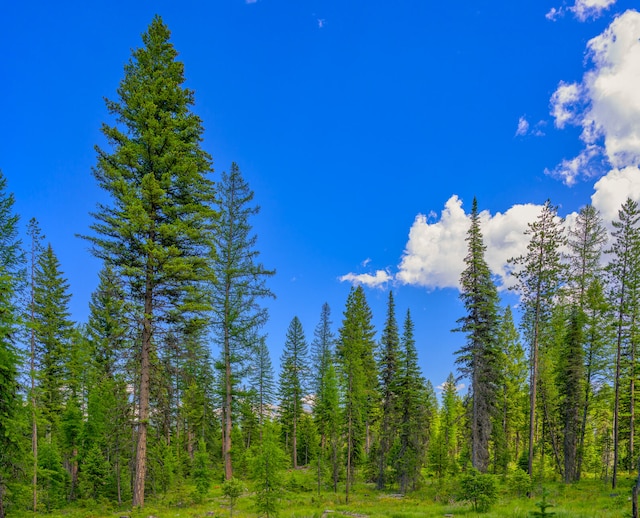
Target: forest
165 400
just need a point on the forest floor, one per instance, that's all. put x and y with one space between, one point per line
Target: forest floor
587 499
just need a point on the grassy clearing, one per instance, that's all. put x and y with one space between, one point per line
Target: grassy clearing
589 499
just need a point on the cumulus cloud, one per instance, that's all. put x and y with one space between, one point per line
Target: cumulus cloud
612 190
377 280
564 103
434 254
583 10
586 9
606 103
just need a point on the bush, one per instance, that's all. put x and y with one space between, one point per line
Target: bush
479 489
519 482
232 489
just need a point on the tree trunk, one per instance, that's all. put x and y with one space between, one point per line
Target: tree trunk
143 411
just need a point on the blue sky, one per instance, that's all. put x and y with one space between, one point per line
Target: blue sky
365 128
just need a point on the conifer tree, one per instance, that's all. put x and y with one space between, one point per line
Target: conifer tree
571 381
11 277
415 407
354 353
294 374
388 372
512 396
479 358
240 285
155 229
262 382
53 335
35 249
624 275
598 338
540 275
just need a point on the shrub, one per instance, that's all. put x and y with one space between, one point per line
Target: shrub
480 489
519 482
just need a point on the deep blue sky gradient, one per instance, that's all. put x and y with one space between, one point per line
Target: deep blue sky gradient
347 118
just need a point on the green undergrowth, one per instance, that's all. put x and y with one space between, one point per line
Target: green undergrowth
587 499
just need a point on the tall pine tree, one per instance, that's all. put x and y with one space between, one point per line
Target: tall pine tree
479 358
155 229
11 277
240 285
540 275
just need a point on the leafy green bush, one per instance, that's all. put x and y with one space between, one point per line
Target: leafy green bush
519 482
479 489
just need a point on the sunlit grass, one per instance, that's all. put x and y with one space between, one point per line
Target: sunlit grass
588 499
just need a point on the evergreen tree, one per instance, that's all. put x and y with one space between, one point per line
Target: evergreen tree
479 358
444 452
241 284
598 337
293 382
354 353
415 407
53 336
11 277
571 381
268 462
623 272
35 249
262 382
540 275
155 231
586 241
326 398
512 408
388 372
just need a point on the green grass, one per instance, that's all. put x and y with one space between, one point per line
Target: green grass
588 499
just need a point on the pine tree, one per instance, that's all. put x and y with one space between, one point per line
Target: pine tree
155 231
53 336
479 358
571 381
354 353
598 337
623 272
11 277
415 407
512 407
325 401
540 274
241 283
262 382
586 241
388 372
293 382
35 249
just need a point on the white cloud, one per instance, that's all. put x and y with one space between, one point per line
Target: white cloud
321 23
585 164
366 261
606 103
378 280
250 1
434 254
563 103
523 127
613 189
554 14
585 9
